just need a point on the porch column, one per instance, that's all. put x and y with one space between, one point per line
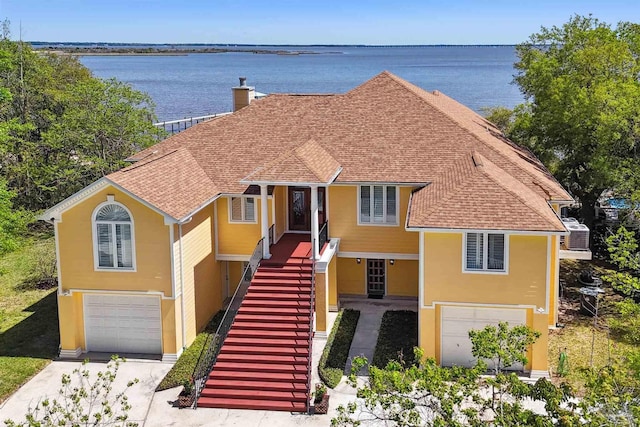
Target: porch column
264 221
314 222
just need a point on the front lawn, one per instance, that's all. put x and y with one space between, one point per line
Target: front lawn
29 335
183 369
579 332
398 336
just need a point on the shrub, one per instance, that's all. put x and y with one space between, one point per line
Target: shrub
627 325
182 371
336 351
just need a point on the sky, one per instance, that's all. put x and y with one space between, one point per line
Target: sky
300 22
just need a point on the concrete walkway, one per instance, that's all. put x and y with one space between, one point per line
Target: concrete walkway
366 335
47 383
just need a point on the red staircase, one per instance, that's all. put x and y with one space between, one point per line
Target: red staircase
263 362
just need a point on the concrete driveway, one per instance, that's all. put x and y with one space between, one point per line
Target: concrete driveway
47 382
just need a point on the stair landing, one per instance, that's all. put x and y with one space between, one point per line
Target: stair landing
263 361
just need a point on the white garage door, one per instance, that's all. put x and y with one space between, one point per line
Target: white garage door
456 323
123 324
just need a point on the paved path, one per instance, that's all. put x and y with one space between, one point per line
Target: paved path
47 382
366 335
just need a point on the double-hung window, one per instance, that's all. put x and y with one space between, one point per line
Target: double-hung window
242 209
113 242
378 204
485 252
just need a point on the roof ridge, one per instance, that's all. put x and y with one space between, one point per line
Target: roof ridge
148 160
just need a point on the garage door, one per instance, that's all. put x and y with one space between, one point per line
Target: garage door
456 323
123 324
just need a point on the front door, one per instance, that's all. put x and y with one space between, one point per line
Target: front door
375 277
299 208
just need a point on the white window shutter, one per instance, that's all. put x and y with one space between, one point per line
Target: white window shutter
474 251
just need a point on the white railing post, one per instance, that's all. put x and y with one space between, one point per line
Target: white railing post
264 221
314 223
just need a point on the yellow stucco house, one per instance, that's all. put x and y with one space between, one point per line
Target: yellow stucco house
417 195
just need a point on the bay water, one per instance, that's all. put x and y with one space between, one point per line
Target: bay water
200 83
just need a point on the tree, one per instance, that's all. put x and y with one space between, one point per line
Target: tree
13 222
582 110
60 127
503 345
415 395
83 401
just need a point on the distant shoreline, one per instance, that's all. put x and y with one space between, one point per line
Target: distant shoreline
161 51
235 46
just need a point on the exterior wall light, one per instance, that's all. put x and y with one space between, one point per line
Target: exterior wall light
358 260
392 261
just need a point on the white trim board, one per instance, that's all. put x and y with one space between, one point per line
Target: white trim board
480 305
69 292
496 231
232 257
379 255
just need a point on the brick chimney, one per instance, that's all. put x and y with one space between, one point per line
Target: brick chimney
243 94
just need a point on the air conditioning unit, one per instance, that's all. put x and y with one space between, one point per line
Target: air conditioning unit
567 221
578 238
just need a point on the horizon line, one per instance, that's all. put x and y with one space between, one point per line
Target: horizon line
40 42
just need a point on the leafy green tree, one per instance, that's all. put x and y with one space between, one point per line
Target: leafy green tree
83 401
60 127
580 81
503 345
414 395
13 222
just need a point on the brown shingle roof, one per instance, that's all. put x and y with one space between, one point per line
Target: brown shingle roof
385 130
309 163
172 181
479 195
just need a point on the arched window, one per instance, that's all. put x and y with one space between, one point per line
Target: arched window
113 237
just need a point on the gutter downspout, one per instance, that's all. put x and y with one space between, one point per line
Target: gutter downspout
184 325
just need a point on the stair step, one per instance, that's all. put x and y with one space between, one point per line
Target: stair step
260 367
277 288
261 358
271 319
257 385
284 377
265 333
304 262
252 294
267 342
275 311
294 304
257 325
281 281
266 350
248 403
286 395
286 274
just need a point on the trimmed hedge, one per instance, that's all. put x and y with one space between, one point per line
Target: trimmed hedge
398 333
186 364
336 351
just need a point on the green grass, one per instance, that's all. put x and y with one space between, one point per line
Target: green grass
578 333
398 335
184 367
336 351
29 336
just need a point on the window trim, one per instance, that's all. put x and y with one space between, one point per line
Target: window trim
242 209
485 251
94 231
384 203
